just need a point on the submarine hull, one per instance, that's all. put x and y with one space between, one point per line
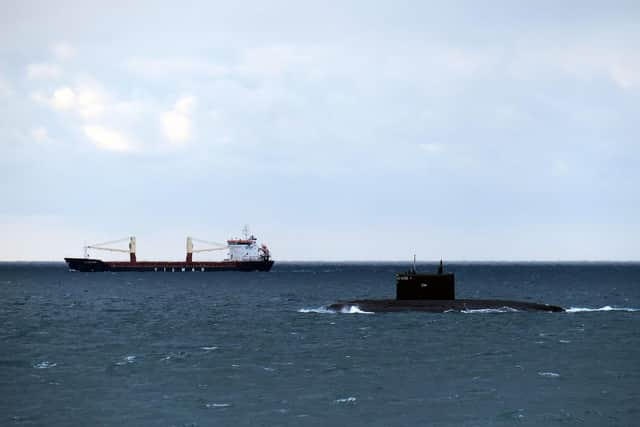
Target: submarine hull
441 306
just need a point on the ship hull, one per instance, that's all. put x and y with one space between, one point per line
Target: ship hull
96 265
441 306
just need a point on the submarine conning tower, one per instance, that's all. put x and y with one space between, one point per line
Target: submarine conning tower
412 285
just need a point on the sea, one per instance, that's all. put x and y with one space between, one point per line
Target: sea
262 349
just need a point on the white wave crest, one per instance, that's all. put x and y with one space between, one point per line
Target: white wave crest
44 365
350 309
209 348
605 308
549 374
218 405
354 309
349 399
126 360
490 310
321 310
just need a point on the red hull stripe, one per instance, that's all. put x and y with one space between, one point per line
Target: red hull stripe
176 264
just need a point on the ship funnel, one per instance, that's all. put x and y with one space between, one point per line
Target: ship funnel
132 249
189 249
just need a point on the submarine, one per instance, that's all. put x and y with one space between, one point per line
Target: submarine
434 293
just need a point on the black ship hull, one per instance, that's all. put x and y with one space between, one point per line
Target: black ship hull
97 265
441 306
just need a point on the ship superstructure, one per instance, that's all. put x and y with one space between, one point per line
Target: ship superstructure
243 254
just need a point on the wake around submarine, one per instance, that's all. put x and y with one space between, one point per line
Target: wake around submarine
434 293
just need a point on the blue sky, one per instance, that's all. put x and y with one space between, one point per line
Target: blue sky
336 130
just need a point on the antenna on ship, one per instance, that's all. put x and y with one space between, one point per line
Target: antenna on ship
245 231
414 263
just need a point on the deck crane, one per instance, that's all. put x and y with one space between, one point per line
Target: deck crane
215 247
102 247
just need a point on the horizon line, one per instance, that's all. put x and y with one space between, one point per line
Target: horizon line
293 261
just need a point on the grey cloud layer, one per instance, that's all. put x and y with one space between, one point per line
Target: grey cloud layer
329 116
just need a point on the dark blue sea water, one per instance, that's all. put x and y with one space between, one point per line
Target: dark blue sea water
201 349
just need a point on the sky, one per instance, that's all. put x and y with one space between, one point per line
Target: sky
337 130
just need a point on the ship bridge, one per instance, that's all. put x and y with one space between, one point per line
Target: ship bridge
246 249
239 249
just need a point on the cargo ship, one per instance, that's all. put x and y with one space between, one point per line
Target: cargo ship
244 254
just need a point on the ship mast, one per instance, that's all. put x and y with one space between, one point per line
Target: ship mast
190 250
103 247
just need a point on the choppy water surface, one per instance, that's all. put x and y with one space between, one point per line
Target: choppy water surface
260 349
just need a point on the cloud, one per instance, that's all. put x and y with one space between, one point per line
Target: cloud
176 124
63 98
43 71
175 66
185 104
560 167
88 101
108 139
577 61
626 75
63 51
424 64
102 118
5 87
432 148
91 101
619 65
274 60
265 61
39 134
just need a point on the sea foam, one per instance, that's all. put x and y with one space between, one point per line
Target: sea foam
349 399
45 365
605 308
218 405
490 310
351 309
354 309
322 310
126 360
